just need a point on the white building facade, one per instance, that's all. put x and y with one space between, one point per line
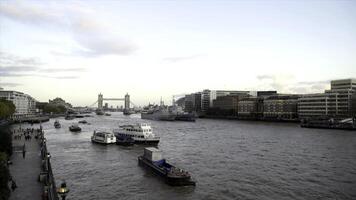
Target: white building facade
24 103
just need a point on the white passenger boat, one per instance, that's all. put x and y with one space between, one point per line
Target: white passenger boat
141 133
103 137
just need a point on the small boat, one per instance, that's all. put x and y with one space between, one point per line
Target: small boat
75 128
99 112
83 122
140 133
69 117
103 137
107 114
57 124
174 176
125 141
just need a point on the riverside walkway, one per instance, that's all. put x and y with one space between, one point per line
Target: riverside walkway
25 171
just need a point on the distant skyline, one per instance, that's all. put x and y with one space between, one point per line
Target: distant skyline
151 49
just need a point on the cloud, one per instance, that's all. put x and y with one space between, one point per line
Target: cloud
181 58
51 70
10 84
15 66
94 37
262 77
287 84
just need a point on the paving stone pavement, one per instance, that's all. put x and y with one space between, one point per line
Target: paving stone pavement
25 171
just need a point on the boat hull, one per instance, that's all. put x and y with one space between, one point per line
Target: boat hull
158 116
101 142
148 142
75 129
173 181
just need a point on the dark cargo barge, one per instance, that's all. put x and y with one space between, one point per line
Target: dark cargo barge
172 175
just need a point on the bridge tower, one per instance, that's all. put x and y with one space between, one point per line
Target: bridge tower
100 101
127 101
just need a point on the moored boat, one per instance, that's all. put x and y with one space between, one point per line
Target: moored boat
140 133
152 159
83 122
75 128
155 112
103 137
188 117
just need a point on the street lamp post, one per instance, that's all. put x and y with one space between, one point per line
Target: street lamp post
63 190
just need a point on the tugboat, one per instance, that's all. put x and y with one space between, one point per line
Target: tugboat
75 128
140 133
103 137
57 124
152 159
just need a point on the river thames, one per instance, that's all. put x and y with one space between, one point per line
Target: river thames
228 159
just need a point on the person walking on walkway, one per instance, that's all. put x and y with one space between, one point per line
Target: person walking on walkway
23 150
13 185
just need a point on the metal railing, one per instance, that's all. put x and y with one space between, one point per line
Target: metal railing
46 176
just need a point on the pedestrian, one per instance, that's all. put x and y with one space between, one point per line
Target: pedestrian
24 151
13 185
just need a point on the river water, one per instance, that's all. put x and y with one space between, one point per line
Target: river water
228 160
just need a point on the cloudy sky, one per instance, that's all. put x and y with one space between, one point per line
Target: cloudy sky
76 49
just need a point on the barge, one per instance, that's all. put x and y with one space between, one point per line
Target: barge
346 124
174 176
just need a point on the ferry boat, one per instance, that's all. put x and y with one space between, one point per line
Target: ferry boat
57 124
103 137
152 159
141 133
75 128
125 141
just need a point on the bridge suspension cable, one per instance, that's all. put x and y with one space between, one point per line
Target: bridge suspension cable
93 104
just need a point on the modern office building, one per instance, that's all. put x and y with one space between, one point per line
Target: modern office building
346 89
25 104
319 105
338 102
192 102
189 103
208 96
281 107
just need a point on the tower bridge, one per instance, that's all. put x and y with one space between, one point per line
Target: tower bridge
101 100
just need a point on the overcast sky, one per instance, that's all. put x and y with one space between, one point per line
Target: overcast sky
76 49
